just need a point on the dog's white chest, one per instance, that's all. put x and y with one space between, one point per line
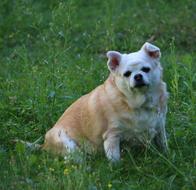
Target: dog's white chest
139 125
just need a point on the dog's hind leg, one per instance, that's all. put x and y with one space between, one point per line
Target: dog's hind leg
58 142
68 143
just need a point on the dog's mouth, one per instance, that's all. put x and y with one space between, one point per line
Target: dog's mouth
140 84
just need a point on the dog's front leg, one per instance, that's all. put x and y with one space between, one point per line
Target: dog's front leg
161 138
112 146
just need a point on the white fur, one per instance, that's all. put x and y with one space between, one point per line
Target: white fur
147 120
68 143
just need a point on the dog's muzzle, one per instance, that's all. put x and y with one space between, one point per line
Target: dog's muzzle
139 81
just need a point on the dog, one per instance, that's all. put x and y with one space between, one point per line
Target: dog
131 105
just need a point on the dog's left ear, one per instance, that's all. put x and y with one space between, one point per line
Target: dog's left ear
151 50
114 59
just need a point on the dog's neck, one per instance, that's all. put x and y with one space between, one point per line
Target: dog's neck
136 98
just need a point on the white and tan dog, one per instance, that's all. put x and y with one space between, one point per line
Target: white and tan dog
130 105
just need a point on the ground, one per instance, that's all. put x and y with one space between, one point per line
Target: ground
52 52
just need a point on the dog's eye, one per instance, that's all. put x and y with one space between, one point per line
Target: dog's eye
145 69
127 74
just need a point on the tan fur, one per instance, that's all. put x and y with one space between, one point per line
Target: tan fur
90 116
115 111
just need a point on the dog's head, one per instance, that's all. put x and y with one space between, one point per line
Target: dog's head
137 71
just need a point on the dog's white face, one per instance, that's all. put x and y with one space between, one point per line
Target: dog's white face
137 71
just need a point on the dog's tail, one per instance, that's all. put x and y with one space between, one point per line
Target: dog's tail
32 146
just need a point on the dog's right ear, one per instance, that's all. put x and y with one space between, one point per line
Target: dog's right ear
114 59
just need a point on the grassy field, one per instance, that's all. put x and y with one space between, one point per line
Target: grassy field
52 52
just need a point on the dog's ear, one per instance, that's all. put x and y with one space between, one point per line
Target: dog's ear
151 50
114 59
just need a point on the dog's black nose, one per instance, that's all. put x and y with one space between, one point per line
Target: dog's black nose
138 77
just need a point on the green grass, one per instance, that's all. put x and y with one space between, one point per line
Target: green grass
52 52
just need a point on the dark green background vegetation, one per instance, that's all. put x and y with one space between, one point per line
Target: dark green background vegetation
52 52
